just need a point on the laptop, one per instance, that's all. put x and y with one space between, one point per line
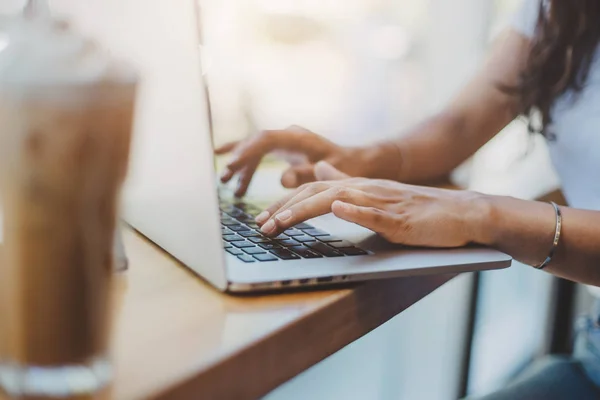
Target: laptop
173 197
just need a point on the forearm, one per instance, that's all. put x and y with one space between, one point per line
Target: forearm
433 149
525 230
428 152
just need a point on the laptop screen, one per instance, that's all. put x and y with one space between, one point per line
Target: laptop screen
170 192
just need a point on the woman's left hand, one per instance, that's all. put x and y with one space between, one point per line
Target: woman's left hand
411 215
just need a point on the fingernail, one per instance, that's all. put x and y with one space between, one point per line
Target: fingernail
284 216
262 217
226 175
268 227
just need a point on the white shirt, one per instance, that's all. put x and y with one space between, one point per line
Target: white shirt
575 153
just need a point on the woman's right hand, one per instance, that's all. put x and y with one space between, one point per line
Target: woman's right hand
300 147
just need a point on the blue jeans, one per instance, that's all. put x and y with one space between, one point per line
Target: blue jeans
562 378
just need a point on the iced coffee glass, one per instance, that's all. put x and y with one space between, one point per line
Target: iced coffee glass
66 113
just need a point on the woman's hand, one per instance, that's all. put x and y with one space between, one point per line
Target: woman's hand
411 215
302 149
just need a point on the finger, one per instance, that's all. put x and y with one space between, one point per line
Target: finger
245 178
301 193
311 207
372 218
226 148
227 175
298 175
327 172
267 141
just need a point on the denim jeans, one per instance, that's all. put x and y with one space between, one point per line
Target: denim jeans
587 344
562 378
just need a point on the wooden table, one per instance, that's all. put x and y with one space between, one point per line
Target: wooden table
178 338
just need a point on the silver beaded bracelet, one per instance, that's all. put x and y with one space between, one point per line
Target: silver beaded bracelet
556 237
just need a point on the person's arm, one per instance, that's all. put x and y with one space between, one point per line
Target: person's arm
427 152
525 230
433 149
432 217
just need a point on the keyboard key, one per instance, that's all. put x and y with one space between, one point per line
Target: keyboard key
259 239
246 258
232 238
235 212
305 238
229 222
330 238
265 257
285 254
304 252
252 225
315 232
234 251
225 231
353 251
248 234
294 232
254 250
226 208
281 237
240 204
246 218
289 242
239 228
269 246
343 243
253 211
243 245
323 249
303 226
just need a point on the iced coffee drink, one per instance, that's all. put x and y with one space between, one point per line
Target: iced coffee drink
66 112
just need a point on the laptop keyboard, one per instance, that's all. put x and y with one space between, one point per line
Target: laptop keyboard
242 238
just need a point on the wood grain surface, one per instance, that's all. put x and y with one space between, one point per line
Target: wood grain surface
177 338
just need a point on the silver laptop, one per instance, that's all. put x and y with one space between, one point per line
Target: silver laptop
172 196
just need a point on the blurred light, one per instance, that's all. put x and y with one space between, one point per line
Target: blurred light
390 42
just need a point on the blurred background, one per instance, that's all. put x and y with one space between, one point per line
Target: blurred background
357 71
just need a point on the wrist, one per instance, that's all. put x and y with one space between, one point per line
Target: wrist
481 218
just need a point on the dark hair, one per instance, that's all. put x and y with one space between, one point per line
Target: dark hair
563 48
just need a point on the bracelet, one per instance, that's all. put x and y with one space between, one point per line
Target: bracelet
556 237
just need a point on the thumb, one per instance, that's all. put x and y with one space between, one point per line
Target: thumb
298 175
327 172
